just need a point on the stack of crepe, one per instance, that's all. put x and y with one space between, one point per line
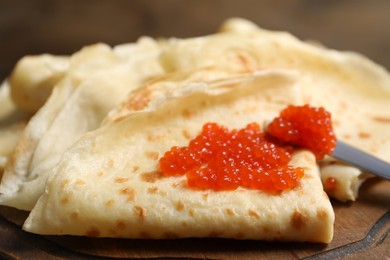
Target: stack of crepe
87 161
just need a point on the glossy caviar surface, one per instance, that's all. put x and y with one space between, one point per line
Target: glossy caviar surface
305 126
330 183
220 159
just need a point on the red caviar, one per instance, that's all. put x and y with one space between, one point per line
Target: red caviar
220 159
305 126
331 183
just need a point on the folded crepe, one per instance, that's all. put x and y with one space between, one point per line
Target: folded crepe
336 80
33 79
97 79
12 123
108 183
354 89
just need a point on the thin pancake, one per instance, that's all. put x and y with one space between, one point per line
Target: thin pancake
98 79
108 183
34 77
354 89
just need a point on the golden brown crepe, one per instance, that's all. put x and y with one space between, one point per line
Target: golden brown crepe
354 89
108 184
98 78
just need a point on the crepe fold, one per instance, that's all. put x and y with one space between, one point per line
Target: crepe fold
12 123
353 88
109 185
97 79
34 77
154 73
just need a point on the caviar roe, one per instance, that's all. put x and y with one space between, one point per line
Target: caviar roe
330 183
305 126
220 159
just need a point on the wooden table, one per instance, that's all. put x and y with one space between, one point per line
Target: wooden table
62 27
361 232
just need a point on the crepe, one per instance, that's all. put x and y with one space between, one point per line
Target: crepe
262 71
354 89
348 180
108 183
12 123
98 78
33 79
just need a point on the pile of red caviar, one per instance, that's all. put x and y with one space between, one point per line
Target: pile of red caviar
305 126
220 159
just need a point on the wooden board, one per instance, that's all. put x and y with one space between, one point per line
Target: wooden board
361 231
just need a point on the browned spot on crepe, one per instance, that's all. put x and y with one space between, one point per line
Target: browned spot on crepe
205 196
253 213
156 190
139 100
191 212
152 155
121 180
364 135
230 212
298 219
128 192
150 137
322 214
110 203
65 200
187 113
186 134
179 205
154 137
92 232
135 168
140 212
380 119
100 174
150 177
152 190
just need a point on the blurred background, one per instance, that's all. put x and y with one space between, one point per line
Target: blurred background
64 26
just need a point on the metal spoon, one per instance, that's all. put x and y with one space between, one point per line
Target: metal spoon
362 160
